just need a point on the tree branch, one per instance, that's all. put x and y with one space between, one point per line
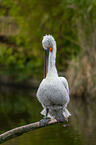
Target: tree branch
23 129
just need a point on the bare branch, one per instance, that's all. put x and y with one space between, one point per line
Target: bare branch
23 129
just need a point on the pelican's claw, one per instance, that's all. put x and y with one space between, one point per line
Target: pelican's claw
60 119
44 121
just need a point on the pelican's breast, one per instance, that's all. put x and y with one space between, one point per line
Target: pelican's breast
52 92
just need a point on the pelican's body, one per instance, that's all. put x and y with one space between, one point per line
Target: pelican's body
53 92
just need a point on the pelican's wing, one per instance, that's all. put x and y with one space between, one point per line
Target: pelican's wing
65 83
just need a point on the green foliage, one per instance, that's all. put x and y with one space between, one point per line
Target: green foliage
37 18
17 63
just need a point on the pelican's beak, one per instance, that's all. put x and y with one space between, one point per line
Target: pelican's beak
46 57
45 63
49 49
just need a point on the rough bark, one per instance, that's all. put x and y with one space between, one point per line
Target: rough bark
23 129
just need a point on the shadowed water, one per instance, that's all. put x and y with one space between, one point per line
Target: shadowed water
19 106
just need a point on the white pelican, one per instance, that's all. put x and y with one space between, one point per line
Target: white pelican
53 92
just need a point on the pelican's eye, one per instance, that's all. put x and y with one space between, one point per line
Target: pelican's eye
47 46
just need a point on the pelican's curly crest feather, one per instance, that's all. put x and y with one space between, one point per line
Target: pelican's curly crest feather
48 39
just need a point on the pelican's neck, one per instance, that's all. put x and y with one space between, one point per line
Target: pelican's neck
52 71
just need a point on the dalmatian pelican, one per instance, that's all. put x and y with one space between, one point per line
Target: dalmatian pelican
53 91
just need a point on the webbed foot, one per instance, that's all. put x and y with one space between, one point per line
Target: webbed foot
60 119
44 121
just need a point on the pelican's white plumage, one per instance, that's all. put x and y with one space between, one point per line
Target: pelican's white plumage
53 92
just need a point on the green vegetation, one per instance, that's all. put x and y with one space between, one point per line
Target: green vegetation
18 63
69 21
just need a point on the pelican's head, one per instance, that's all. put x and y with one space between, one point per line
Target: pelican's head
48 42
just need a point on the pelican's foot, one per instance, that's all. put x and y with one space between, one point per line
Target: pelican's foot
44 121
60 119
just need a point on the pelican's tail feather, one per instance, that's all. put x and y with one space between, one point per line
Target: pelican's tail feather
43 112
66 113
